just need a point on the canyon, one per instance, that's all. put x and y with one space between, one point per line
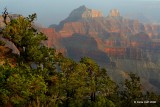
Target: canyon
116 43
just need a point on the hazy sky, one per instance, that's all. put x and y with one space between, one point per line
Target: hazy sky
53 11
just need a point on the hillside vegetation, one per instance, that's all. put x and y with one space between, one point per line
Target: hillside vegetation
42 77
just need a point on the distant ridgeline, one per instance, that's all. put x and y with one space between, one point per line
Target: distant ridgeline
84 12
119 44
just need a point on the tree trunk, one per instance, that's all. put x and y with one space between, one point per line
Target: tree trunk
93 97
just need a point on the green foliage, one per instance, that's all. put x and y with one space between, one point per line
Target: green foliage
20 85
43 77
25 37
132 91
2 43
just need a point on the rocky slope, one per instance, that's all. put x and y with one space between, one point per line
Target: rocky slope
118 44
7 56
53 39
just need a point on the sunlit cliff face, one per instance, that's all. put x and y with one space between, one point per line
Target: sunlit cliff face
114 13
121 42
84 12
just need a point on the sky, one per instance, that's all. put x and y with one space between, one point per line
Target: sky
53 11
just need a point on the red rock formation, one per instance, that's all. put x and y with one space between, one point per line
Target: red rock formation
112 34
53 39
114 13
116 52
87 33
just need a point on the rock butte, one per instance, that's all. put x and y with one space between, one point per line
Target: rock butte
126 45
84 12
121 45
114 13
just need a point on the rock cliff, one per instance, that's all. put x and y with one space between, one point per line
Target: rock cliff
84 12
114 13
118 44
121 45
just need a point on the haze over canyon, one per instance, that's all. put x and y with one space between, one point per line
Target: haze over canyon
120 44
